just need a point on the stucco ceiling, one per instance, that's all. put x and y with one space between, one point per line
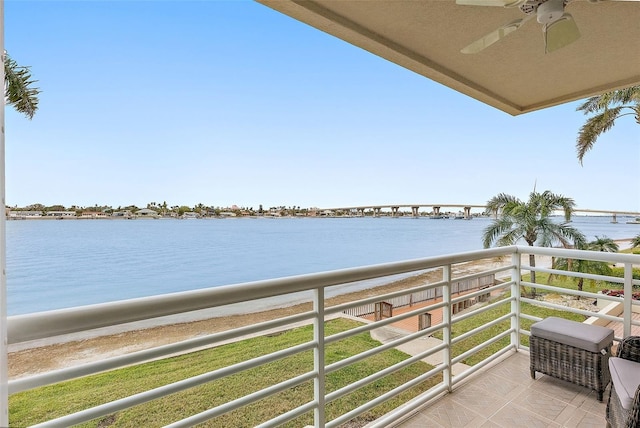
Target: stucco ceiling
514 75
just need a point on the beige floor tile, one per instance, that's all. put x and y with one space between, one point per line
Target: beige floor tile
592 405
420 421
490 424
498 385
544 405
478 399
512 416
583 419
449 414
561 390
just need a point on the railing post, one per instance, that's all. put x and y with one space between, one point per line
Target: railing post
628 297
318 357
446 322
516 260
4 370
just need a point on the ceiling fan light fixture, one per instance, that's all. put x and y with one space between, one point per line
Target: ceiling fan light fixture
560 33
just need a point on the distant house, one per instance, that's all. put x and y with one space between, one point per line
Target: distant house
61 214
147 213
122 214
93 214
190 215
15 215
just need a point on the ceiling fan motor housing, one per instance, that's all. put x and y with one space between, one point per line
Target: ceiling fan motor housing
550 11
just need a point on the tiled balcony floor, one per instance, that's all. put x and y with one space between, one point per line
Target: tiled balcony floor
504 395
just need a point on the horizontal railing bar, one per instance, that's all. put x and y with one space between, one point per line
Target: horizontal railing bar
288 416
478 366
530 317
568 291
481 346
575 274
568 309
375 376
481 328
21 328
483 273
481 310
385 346
567 253
242 401
23 384
384 397
466 296
372 326
369 300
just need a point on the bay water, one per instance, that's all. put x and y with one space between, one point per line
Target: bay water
58 264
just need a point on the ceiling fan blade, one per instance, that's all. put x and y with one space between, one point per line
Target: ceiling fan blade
499 3
492 37
560 33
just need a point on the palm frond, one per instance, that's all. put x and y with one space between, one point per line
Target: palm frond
608 107
18 88
604 101
494 230
499 202
593 128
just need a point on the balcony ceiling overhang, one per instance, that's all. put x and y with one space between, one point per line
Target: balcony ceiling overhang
514 74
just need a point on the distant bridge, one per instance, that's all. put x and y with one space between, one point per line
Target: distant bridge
466 209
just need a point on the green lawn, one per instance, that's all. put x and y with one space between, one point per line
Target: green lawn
53 401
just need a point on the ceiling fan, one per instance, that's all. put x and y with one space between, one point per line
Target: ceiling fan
558 27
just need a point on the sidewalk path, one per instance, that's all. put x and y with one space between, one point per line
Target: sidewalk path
414 347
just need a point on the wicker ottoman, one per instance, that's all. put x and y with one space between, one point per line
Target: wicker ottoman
571 351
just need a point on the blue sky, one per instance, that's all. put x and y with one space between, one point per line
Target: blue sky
227 103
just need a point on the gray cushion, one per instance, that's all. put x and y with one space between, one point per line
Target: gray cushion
592 338
625 377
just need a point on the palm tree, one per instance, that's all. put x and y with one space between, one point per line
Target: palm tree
609 107
530 221
603 244
18 88
635 242
583 266
588 266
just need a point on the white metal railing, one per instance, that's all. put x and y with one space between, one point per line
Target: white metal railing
60 322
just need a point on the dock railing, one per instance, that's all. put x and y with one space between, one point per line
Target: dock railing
505 263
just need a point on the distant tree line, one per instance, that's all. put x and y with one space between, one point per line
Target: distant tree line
164 209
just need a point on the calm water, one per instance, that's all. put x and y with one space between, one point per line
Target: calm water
57 264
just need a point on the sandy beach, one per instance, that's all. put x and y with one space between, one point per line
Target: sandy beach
41 357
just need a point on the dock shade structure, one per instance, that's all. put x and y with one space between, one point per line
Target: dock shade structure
514 74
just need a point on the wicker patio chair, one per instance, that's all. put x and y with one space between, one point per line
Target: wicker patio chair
623 407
